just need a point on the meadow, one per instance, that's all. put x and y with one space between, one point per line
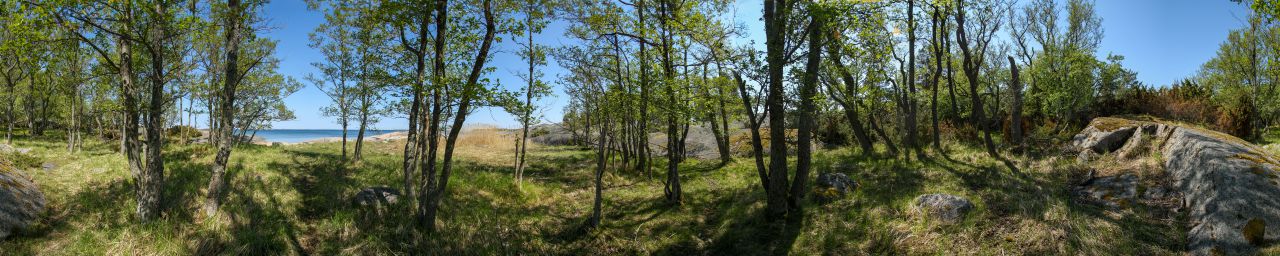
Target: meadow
294 200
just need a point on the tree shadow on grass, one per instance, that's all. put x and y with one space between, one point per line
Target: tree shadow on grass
257 223
322 180
752 233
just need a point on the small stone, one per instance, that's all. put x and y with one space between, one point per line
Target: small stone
47 166
376 196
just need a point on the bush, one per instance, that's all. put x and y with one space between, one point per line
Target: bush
183 132
1237 119
21 161
741 142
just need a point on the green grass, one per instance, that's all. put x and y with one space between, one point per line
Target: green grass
293 200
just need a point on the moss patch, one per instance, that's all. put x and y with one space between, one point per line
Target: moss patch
1255 231
1108 124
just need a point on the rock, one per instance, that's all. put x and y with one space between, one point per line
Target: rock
21 201
1155 193
6 148
832 186
1230 188
47 166
1113 191
550 134
1086 156
1225 183
375 199
1103 135
943 207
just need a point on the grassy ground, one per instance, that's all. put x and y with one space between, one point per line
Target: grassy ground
294 200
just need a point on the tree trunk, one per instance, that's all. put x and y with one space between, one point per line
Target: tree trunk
527 112
951 80
153 179
672 189
888 142
594 221
645 152
775 14
753 125
808 88
1015 114
726 155
850 105
971 67
460 117
718 132
912 129
217 181
8 135
411 157
344 137
937 74
364 124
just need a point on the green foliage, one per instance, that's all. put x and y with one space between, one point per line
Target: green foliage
182 133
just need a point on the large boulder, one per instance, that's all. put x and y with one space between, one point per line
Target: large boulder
21 201
943 207
550 134
1226 183
1230 187
1104 135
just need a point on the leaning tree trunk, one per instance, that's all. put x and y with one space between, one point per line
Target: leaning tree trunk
753 123
971 67
364 124
850 105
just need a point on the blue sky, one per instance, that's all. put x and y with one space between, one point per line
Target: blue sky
1162 40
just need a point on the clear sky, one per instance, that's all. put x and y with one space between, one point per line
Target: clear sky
1162 40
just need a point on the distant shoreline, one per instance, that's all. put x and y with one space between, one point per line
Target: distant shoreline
299 136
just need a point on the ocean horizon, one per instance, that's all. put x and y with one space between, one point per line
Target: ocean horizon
302 135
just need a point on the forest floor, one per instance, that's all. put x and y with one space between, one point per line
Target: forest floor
295 200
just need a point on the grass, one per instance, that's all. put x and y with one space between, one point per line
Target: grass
293 200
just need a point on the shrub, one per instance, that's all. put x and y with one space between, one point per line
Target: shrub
741 142
182 132
1237 119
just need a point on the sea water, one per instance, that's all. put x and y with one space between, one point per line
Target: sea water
301 135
